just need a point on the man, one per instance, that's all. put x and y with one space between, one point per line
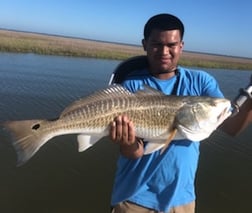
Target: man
163 183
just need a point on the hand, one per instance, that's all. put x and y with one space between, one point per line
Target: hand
122 130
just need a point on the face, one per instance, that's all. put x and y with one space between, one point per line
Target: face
163 50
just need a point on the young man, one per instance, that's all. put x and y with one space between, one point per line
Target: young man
154 182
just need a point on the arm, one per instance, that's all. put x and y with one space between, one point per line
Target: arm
242 112
122 132
237 123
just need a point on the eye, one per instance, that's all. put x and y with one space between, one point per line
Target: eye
156 44
196 107
173 45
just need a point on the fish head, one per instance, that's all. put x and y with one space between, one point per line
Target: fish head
199 117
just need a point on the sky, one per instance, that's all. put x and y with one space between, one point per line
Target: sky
211 26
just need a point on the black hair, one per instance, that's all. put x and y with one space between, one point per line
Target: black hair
163 22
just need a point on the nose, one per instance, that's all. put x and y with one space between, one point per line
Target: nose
165 49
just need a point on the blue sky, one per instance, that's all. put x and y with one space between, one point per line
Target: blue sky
212 26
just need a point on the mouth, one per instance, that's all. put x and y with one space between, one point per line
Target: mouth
164 64
165 60
225 114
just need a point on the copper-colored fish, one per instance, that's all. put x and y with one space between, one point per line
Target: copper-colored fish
156 117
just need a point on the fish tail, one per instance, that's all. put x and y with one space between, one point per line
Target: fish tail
27 137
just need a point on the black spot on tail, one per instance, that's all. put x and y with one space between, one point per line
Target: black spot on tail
36 126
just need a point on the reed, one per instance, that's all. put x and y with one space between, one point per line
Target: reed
22 42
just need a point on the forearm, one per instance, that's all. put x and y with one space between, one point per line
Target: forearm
237 123
243 105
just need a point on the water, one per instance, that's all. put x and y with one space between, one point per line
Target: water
59 179
46 84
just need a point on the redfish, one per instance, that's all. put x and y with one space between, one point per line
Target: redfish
157 118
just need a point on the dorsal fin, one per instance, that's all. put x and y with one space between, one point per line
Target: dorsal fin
113 91
152 91
147 90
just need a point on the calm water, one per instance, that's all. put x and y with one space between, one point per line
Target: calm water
59 179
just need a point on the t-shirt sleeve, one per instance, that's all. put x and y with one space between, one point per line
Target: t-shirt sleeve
132 86
210 86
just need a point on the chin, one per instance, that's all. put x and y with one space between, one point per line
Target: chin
166 69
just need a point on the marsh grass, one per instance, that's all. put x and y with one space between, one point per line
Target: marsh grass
215 61
22 42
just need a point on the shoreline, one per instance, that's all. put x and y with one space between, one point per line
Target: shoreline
27 42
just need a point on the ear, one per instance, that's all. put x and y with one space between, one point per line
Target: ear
144 44
181 46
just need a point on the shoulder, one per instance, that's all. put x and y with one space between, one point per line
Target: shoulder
193 74
201 81
136 80
138 74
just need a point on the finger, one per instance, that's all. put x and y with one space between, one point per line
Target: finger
118 121
113 130
125 129
131 132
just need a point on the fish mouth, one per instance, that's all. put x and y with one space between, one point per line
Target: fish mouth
225 113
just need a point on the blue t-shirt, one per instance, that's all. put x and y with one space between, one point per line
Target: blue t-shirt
164 181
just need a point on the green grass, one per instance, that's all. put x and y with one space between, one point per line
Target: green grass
20 42
216 64
52 45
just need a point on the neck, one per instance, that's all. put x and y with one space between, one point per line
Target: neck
164 74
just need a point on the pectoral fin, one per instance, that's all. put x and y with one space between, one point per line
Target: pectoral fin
152 147
155 145
169 139
86 141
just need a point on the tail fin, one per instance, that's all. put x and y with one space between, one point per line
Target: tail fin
27 138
